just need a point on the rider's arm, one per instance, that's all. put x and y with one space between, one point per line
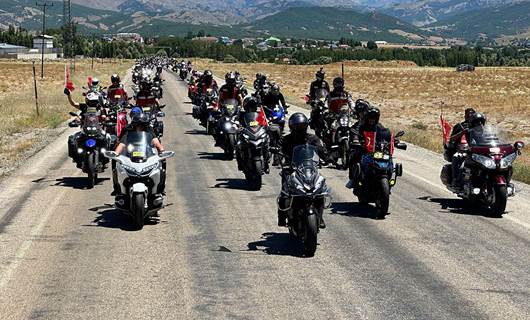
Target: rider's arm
457 133
158 145
282 100
119 148
70 100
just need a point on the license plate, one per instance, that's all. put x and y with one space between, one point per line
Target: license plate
253 123
378 155
146 109
138 154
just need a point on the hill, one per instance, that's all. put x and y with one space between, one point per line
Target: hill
488 23
334 23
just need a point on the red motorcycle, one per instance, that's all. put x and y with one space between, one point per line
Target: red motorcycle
487 169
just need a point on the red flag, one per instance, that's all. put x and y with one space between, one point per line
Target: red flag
446 129
68 83
262 119
89 81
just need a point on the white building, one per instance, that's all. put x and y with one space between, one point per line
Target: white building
48 42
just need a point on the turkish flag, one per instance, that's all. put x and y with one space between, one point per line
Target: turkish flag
446 129
262 119
68 83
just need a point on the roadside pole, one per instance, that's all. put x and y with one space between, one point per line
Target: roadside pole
36 93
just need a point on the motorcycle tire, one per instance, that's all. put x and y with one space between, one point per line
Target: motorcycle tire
501 198
138 210
344 156
257 180
91 171
383 199
230 148
311 233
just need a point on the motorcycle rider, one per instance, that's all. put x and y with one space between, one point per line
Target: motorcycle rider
207 82
338 96
116 89
369 124
229 90
319 83
272 98
298 124
139 123
145 96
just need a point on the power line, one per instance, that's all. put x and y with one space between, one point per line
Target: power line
43 6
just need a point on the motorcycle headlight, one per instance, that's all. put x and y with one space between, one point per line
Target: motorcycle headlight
344 122
149 168
485 161
508 160
130 169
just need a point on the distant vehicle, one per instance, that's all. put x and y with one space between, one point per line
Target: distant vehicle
465 67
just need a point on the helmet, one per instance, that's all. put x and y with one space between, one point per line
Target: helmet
115 79
138 117
95 82
468 114
92 99
320 74
251 104
258 75
361 107
477 119
372 116
230 78
208 74
338 83
298 123
275 89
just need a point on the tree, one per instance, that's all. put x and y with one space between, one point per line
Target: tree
371 45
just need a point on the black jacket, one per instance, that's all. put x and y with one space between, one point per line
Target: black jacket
291 140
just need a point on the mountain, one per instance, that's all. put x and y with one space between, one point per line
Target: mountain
424 12
492 23
333 23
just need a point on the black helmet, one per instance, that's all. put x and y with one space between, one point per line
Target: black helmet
361 106
115 79
468 114
338 82
477 119
320 74
373 114
207 75
259 75
230 78
92 99
251 104
275 89
298 123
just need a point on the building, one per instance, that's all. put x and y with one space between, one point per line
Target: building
10 50
38 40
132 37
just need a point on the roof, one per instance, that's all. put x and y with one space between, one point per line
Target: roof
45 37
273 39
10 46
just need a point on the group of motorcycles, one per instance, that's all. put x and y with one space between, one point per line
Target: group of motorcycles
138 171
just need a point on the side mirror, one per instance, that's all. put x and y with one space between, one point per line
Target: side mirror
162 106
161 114
73 124
519 145
166 154
401 145
111 155
73 114
400 134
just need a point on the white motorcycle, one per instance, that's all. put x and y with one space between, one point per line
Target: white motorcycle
140 173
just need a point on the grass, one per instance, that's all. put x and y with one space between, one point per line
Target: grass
17 99
411 97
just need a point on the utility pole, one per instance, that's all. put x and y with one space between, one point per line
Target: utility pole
43 6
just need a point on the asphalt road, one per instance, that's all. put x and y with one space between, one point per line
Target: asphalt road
216 251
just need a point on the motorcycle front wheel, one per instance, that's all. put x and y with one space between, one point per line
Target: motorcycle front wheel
383 199
138 210
311 233
91 170
501 198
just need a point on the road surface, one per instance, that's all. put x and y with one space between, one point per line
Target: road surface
216 251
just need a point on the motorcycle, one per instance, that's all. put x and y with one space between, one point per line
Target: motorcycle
155 112
377 174
252 151
337 138
319 107
306 196
157 89
117 115
183 73
227 128
86 148
487 169
139 172
201 109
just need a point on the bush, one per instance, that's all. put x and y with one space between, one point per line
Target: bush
230 59
322 60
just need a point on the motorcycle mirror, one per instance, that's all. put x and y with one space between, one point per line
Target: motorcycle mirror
519 145
161 114
83 87
162 106
73 124
400 134
73 114
166 154
401 145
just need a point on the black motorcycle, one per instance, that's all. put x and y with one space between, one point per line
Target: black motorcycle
86 148
376 174
337 137
304 196
252 150
183 73
227 128
155 112
319 107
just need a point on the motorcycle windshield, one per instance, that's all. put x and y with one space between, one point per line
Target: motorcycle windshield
138 146
378 140
486 136
321 94
91 121
305 155
250 120
230 106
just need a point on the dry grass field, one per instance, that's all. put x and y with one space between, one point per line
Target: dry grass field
21 129
411 97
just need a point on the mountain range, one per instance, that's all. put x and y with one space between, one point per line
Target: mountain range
391 20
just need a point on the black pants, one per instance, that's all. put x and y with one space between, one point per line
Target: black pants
456 165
